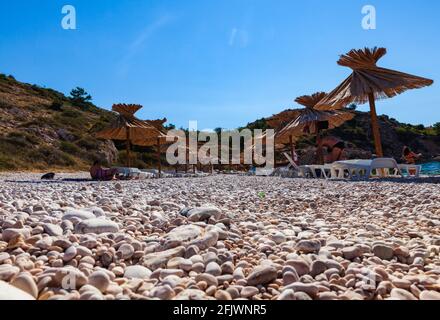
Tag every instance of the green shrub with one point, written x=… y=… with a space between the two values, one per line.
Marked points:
x=88 y=144
x=21 y=139
x=69 y=147
x=56 y=105
x=71 y=113
x=51 y=157
x=436 y=127
x=7 y=164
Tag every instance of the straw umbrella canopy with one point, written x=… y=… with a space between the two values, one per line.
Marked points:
x=279 y=120
x=127 y=127
x=309 y=121
x=368 y=83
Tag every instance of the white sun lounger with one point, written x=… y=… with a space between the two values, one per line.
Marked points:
x=365 y=169
x=128 y=172
x=309 y=170
x=409 y=169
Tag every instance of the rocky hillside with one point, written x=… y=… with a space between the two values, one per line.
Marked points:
x=41 y=129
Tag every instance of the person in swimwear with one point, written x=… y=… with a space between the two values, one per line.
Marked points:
x=335 y=149
x=97 y=172
x=409 y=156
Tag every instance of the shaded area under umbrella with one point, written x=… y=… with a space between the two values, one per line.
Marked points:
x=312 y=121
x=368 y=83
x=127 y=127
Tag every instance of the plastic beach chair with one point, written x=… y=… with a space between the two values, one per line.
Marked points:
x=379 y=167
x=128 y=172
x=409 y=169
x=303 y=171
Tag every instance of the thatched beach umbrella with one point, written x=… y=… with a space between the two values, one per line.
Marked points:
x=280 y=120
x=368 y=83
x=312 y=121
x=127 y=127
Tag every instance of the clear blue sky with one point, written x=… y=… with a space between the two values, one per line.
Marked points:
x=223 y=63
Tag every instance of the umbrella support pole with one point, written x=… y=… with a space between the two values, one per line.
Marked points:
x=319 y=153
x=128 y=162
x=292 y=149
x=159 y=165
x=375 y=126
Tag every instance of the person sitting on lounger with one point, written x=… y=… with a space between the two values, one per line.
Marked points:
x=409 y=156
x=103 y=174
x=335 y=149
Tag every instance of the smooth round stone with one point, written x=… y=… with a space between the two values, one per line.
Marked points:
x=401 y=283
x=383 y=252
x=174 y=263
x=401 y=294
x=308 y=246
x=171 y=272
x=311 y=289
x=83 y=251
x=233 y=292
x=209 y=257
x=8 y=271
x=213 y=268
x=198 y=267
x=118 y=271
x=137 y=272
x=401 y=252
x=430 y=295
x=317 y=267
x=172 y=280
x=62 y=243
x=70 y=253
x=163 y=292
x=125 y=251
x=191 y=294
x=97 y=226
x=227 y=267
x=182 y=234
x=53 y=229
x=25 y=282
x=302 y=296
x=4 y=256
x=208 y=278
x=327 y=296
x=288 y=294
x=74 y=214
x=202 y=213
x=191 y=251
x=262 y=275
x=89 y=292
x=249 y=291
x=278 y=237
x=289 y=277
x=9 y=292
x=223 y=295
x=300 y=266
x=186 y=265
x=238 y=273
x=351 y=253
x=100 y=280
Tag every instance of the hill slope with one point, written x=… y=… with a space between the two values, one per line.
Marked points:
x=41 y=129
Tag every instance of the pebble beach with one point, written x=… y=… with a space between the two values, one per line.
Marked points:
x=223 y=237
